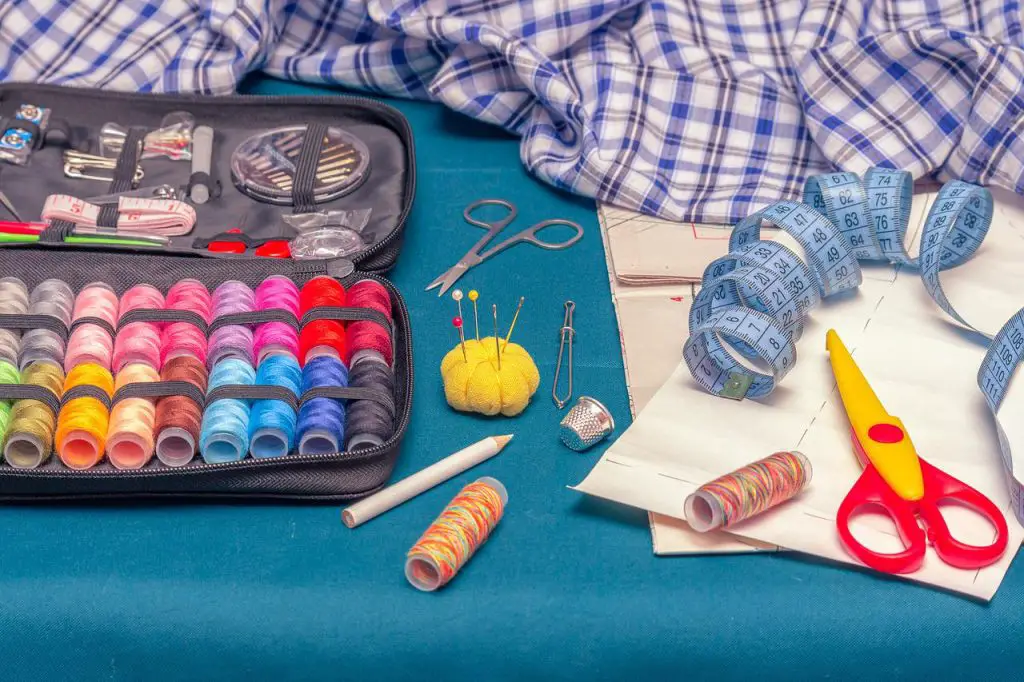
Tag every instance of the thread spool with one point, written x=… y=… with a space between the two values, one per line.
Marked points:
x=233 y=340
x=138 y=341
x=29 y=438
x=369 y=423
x=748 y=491
x=225 y=428
x=8 y=375
x=451 y=540
x=367 y=339
x=13 y=301
x=178 y=418
x=274 y=338
x=320 y=338
x=54 y=298
x=180 y=339
x=272 y=422
x=130 y=439
x=90 y=343
x=82 y=423
x=320 y=426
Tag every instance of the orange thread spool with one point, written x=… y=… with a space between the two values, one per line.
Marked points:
x=82 y=422
x=130 y=436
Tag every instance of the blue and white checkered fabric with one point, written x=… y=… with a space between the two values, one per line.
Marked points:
x=698 y=110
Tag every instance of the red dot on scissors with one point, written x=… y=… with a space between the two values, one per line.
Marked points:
x=457 y=321
x=885 y=433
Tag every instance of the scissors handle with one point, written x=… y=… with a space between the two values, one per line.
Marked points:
x=529 y=235
x=871 y=492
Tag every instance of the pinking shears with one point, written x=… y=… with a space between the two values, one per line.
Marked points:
x=902 y=484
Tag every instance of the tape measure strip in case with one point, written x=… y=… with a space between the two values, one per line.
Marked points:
x=756 y=298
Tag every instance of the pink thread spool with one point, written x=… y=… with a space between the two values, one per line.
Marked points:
x=274 y=338
x=91 y=342
x=138 y=342
x=180 y=339
x=368 y=340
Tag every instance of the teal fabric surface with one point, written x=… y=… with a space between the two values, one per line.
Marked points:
x=567 y=587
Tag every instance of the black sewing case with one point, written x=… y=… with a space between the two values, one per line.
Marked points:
x=387 y=190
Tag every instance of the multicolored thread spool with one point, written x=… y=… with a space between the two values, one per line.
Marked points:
x=748 y=491
x=450 y=541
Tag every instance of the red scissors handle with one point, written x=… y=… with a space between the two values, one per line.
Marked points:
x=872 y=492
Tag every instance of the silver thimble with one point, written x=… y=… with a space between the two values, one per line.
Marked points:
x=586 y=424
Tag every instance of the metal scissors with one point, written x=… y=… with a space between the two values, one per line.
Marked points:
x=475 y=256
x=902 y=484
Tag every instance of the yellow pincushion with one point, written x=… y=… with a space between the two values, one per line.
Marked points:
x=474 y=383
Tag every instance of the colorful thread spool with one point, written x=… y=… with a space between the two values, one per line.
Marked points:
x=233 y=340
x=450 y=541
x=82 y=422
x=180 y=339
x=272 y=422
x=14 y=300
x=320 y=426
x=225 y=429
x=748 y=491
x=368 y=423
x=322 y=337
x=368 y=339
x=29 y=438
x=272 y=338
x=130 y=438
x=91 y=343
x=54 y=298
x=178 y=417
x=138 y=342
x=8 y=375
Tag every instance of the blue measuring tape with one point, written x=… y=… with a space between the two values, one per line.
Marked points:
x=753 y=301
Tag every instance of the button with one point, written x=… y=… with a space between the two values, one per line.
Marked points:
x=885 y=433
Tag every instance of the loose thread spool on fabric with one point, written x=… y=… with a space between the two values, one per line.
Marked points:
x=29 y=438
x=367 y=339
x=748 y=491
x=54 y=298
x=82 y=422
x=179 y=418
x=322 y=337
x=270 y=338
x=8 y=375
x=90 y=343
x=233 y=340
x=450 y=541
x=180 y=339
x=138 y=341
x=368 y=423
x=225 y=429
x=13 y=301
x=320 y=426
x=272 y=422
x=130 y=440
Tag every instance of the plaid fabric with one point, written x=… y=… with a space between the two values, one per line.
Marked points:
x=701 y=110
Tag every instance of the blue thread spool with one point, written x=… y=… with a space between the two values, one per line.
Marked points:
x=272 y=422
x=224 y=436
x=321 y=423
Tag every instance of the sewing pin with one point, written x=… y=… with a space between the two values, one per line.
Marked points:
x=497 y=347
x=457 y=297
x=513 y=325
x=457 y=323
x=473 y=295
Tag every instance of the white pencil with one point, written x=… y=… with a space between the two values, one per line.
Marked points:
x=423 y=480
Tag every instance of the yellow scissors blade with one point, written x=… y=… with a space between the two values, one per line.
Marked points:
x=881 y=435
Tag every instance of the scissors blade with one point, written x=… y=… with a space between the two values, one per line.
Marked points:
x=450 y=277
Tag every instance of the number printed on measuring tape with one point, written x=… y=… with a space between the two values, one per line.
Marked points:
x=753 y=301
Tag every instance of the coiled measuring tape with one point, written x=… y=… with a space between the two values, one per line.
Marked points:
x=756 y=298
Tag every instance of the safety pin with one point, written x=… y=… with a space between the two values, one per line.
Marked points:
x=567 y=335
x=152 y=192
x=78 y=172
